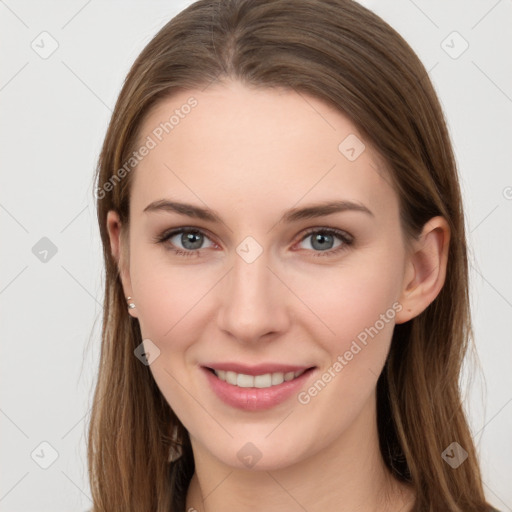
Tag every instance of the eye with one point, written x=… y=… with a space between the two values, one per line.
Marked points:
x=189 y=241
x=186 y=241
x=321 y=242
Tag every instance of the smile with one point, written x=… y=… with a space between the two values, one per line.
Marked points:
x=266 y=380
x=256 y=392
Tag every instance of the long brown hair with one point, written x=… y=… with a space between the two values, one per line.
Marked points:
x=342 y=53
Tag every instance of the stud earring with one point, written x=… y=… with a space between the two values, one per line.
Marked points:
x=131 y=305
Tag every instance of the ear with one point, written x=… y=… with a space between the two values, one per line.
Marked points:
x=425 y=271
x=119 y=249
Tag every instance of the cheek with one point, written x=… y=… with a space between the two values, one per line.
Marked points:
x=357 y=307
x=352 y=312
x=170 y=300
x=348 y=299
x=168 y=295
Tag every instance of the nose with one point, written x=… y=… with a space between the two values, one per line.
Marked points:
x=254 y=302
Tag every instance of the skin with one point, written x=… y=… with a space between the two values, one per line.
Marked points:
x=250 y=154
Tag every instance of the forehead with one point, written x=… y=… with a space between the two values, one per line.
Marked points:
x=244 y=145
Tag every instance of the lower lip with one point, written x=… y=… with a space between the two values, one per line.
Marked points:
x=255 y=399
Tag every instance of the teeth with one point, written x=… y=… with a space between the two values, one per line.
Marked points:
x=256 y=381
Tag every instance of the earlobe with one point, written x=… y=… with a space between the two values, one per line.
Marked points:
x=426 y=269
x=118 y=253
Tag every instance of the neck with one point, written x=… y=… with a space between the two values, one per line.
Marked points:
x=348 y=475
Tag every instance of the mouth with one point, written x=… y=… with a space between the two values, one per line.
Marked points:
x=259 y=391
x=264 y=380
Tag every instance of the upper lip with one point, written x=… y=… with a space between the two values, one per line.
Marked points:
x=259 y=369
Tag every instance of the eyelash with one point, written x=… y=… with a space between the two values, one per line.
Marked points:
x=347 y=240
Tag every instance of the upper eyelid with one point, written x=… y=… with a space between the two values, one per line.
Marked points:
x=175 y=231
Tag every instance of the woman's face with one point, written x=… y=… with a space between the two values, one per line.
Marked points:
x=262 y=283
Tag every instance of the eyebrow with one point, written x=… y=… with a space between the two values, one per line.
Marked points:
x=291 y=215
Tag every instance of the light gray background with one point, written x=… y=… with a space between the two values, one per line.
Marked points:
x=54 y=113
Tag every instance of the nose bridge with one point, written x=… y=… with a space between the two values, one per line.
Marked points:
x=253 y=302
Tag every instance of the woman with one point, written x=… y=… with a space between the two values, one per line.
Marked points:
x=240 y=371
